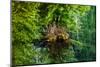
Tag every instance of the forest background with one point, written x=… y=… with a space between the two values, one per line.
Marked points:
x=29 y=20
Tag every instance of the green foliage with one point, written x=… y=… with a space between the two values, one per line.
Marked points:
x=24 y=30
x=88 y=28
x=29 y=21
x=23 y=54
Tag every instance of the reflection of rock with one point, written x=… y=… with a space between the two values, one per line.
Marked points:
x=54 y=41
